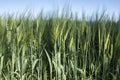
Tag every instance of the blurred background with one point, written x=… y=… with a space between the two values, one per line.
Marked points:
x=89 y=7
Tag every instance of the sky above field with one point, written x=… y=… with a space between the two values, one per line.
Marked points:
x=76 y=6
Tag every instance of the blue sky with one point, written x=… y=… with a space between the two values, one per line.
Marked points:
x=77 y=6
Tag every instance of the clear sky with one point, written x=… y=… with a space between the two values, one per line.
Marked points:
x=77 y=6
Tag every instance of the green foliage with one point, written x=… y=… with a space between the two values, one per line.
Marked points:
x=59 y=48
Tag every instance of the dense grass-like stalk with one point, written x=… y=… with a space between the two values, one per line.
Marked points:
x=59 y=48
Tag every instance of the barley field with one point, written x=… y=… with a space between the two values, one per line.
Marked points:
x=59 y=47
